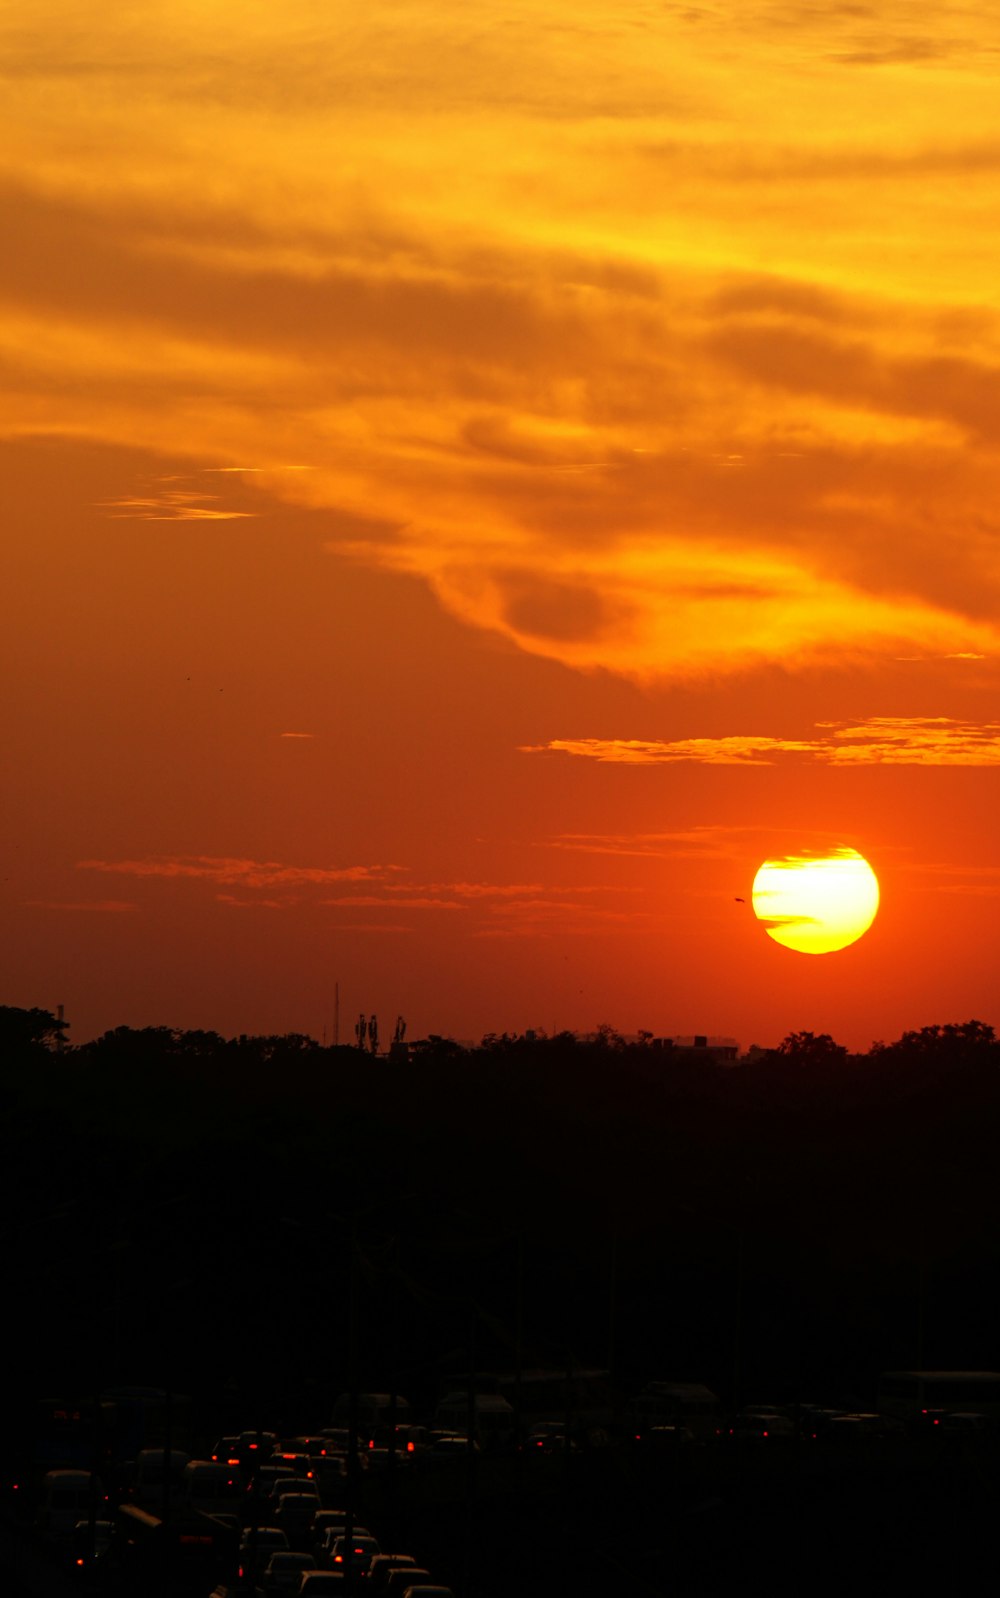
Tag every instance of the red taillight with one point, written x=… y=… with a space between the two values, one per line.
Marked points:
x=80 y=1561
x=764 y=1434
x=410 y=1448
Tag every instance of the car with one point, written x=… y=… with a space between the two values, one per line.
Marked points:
x=814 y=1421
x=294 y=1515
x=91 y=1541
x=969 y=1423
x=336 y=1530
x=318 y=1583
x=254 y=1449
x=68 y=1496
x=329 y=1471
x=856 y=1429
x=298 y=1464
x=256 y=1548
x=402 y=1577
x=423 y=1591
x=294 y=1486
x=284 y=1572
x=549 y=1442
x=382 y=1564
x=355 y=1554
x=323 y=1519
x=264 y=1478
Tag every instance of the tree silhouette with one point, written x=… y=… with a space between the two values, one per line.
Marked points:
x=29 y=1030
x=811 y=1047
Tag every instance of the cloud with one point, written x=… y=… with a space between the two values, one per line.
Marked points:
x=252 y=904
x=876 y=740
x=368 y=901
x=732 y=751
x=914 y=741
x=98 y=906
x=417 y=273
x=174 y=506
x=694 y=843
x=236 y=872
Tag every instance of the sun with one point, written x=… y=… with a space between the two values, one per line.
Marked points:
x=816 y=903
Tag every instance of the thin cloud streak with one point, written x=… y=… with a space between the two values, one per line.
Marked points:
x=98 y=906
x=876 y=740
x=174 y=507
x=236 y=872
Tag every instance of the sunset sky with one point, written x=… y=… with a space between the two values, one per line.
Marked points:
x=479 y=479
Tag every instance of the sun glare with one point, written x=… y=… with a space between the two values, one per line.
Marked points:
x=816 y=904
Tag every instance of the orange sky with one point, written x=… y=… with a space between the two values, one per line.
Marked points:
x=480 y=479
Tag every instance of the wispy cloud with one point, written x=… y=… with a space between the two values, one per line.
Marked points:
x=695 y=843
x=875 y=740
x=175 y=506
x=370 y=901
x=914 y=741
x=730 y=751
x=98 y=906
x=237 y=872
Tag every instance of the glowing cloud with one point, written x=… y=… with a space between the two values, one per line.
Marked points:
x=877 y=740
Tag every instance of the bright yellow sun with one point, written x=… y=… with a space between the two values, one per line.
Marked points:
x=816 y=903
